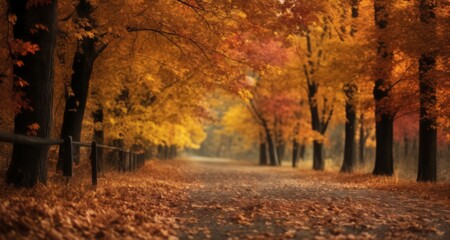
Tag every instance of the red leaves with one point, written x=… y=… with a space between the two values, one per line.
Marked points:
x=22 y=48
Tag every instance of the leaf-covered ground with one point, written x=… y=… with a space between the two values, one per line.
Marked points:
x=227 y=200
x=238 y=201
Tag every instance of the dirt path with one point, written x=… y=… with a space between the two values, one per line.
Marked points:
x=242 y=201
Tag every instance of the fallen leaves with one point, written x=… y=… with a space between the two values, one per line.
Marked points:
x=171 y=200
x=135 y=205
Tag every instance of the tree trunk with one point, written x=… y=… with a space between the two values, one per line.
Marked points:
x=318 y=163
x=350 y=111
x=99 y=135
x=281 y=148
x=349 y=147
x=428 y=122
x=82 y=66
x=29 y=163
x=262 y=154
x=384 y=159
x=272 y=149
x=166 y=152
x=362 y=139
x=302 y=151
x=160 y=152
x=295 y=153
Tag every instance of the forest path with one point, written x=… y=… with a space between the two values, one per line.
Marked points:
x=237 y=200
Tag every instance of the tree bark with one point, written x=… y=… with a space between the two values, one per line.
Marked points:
x=295 y=153
x=29 y=163
x=350 y=113
x=262 y=154
x=428 y=121
x=362 y=139
x=281 y=149
x=82 y=67
x=272 y=148
x=384 y=134
x=384 y=159
x=302 y=151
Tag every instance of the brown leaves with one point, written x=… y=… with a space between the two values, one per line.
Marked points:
x=128 y=205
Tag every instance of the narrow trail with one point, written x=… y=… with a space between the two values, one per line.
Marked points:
x=238 y=200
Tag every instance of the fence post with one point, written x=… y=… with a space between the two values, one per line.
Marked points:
x=68 y=157
x=94 y=163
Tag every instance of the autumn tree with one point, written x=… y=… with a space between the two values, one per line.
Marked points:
x=428 y=104
x=384 y=159
x=350 y=90
x=88 y=49
x=34 y=27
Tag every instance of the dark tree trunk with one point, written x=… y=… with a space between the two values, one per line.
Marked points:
x=302 y=151
x=350 y=111
x=82 y=66
x=160 y=151
x=272 y=149
x=349 y=147
x=362 y=139
x=262 y=154
x=166 y=152
x=29 y=163
x=428 y=122
x=295 y=153
x=99 y=136
x=281 y=148
x=384 y=160
x=318 y=163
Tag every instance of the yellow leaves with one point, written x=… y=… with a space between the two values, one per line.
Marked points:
x=245 y=94
x=112 y=121
x=83 y=34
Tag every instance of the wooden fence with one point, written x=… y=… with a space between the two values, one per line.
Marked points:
x=130 y=161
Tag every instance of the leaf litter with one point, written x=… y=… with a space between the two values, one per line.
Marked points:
x=185 y=200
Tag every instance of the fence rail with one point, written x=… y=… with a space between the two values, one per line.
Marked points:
x=130 y=161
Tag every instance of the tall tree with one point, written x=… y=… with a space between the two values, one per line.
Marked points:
x=83 y=64
x=33 y=81
x=427 y=125
x=384 y=159
x=350 y=90
x=319 y=122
